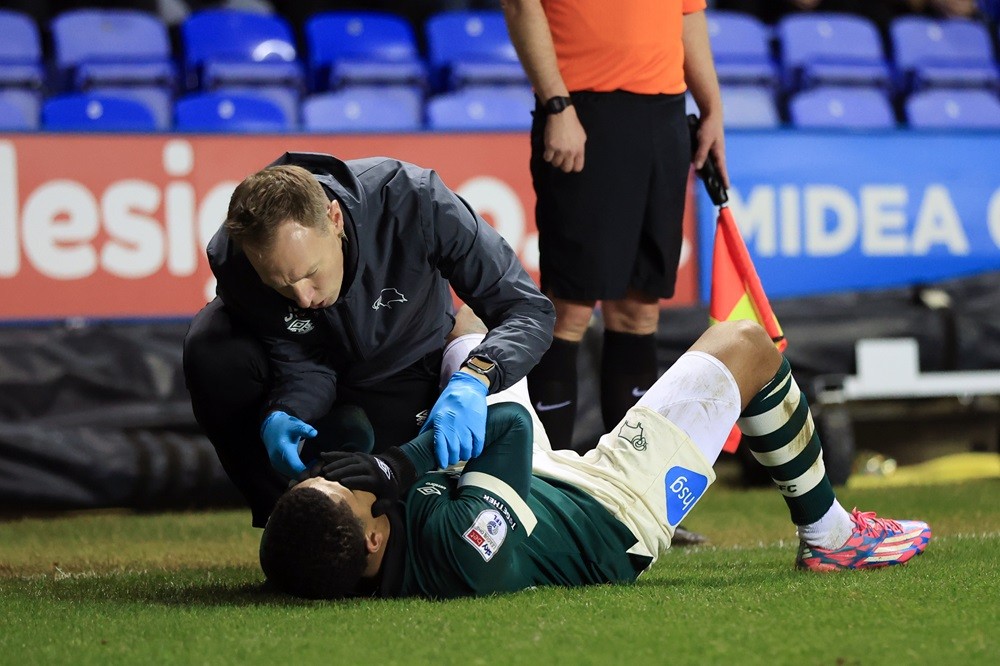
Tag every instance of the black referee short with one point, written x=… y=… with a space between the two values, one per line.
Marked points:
x=616 y=225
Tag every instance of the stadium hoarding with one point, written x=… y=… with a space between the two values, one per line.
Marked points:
x=115 y=226
x=825 y=212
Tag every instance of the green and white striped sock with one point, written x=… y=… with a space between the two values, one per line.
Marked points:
x=778 y=429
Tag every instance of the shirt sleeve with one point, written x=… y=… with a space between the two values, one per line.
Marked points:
x=692 y=6
x=486 y=274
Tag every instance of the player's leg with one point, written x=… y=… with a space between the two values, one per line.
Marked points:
x=778 y=429
x=652 y=469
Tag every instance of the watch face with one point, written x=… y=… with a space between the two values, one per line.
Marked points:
x=557 y=104
x=480 y=364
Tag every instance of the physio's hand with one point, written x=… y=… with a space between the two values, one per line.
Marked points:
x=281 y=434
x=363 y=471
x=459 y=420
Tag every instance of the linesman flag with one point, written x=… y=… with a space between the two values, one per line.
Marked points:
x=736 y=293
x=736 y=290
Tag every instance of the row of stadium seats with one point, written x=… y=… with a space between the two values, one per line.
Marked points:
x=353 y=109
x=818 y=48
x=225 y=47
x=474 y=108
x=859 y=107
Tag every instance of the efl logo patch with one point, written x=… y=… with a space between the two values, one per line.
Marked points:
x=487 y=533
x=684 y=488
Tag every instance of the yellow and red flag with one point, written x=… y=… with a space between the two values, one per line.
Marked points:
x=737 y=293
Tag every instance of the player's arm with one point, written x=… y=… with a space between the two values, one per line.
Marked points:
x=506 y=456
x=469 y=539
x=389 y=475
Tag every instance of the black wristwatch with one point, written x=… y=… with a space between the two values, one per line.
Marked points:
x=556 y=105
x=481 y=365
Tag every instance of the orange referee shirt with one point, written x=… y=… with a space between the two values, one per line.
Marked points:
x=632 y=45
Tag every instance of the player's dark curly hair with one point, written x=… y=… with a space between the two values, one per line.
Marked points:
x=313 y=546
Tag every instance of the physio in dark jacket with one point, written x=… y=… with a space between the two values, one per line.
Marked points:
x=333 y=296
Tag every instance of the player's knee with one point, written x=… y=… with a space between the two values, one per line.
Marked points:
x=752 y=340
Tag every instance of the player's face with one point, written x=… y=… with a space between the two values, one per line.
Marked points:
x=359 y=501
x=305 y=264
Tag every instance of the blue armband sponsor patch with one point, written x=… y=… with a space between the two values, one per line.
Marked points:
x=684 y=488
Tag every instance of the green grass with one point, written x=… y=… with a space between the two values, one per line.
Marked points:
x=185 y=588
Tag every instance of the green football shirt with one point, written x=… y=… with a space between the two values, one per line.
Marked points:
x=496 y=528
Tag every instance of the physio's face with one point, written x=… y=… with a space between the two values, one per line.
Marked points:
x=304 y=264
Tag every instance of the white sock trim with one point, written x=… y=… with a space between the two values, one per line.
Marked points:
x=789 y=451
x=777 y=416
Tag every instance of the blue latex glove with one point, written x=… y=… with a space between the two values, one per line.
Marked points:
x=281 y=434
x=459 y=420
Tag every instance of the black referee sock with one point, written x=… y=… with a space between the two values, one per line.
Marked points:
x=628 y=369
x=552 y=386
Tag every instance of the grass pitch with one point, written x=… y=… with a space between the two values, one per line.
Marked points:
x=102 y=588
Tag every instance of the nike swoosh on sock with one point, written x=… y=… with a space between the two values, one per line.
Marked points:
x=542 y=407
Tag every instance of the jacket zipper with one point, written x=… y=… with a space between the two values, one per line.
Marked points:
x=352 y=335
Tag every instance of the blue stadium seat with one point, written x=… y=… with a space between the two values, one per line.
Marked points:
x=20 y=51
x=482 y=108
x=284 y=97
x=27 y=101
x=841 y=107
x=234 y=47
x=349 y=48
x=96 y=47
x=88 y=112
x=13 y=117
x=749 y=107
x=741 y=48
x=364 y=109
x=471 y=48
x=237 y=112
x=948 y=53
x=826 y=48
x=943 y=108
x=159 y=100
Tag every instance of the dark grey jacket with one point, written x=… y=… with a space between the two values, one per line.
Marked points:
x=408 y=237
